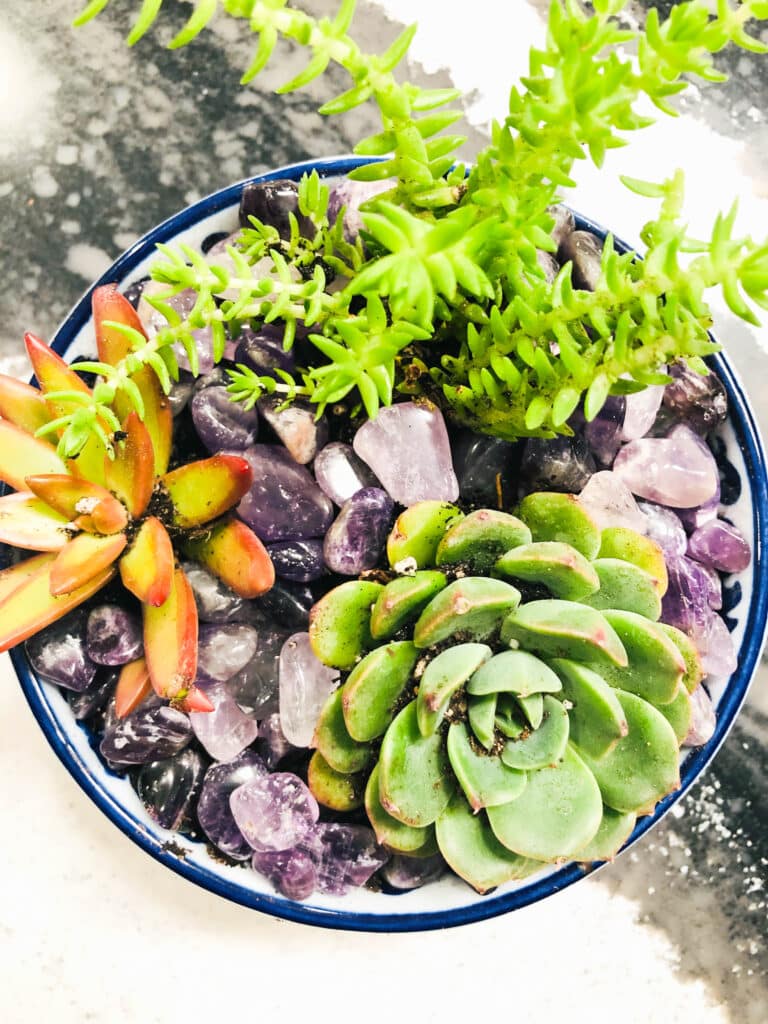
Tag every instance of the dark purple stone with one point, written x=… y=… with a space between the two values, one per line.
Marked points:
x=603 y=433
x=113 y=635
x=412 y=872
x=213 y=810
x=256 y=686
x=345 y=855
x=284 y=502
x=721 y=546
x=299 y=561
x=263 y=351
x=58 y=653
x=479 y=462
x=223 y=650
x=686 y=604
x=169 y=788
x=296 y=425
x=151 y=733
x=356 y=540
x=222 y=423
x=584 y=250
x=291 y=872
x=91 y=700
x=215 y=601
x=271 y=202
x=287 y=604
x=700 y=401
x=557 y=464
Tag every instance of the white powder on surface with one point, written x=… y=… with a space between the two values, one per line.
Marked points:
x=88 y=261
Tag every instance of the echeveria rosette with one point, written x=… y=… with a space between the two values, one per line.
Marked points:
x=116 y=508
x=505 y=732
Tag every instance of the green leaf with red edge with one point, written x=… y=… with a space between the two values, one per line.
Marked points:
x=170 y=640
x=233 y=552
x=22 y=455
x=53 y=374
x=22 y=404
x=89 y=506
x=15 y=575
x=133 y=686
x=147 y=568
x=85 y=557
x=204 y=490
x=28 y=522
x=131 y=474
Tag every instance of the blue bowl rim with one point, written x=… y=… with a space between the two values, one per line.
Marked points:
x=743 y=421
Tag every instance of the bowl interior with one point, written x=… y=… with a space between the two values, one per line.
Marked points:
x=449 y=901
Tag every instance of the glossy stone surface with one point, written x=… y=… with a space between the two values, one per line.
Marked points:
x=686 y=603
x=150 y=733
x=340 y=473
x=583 y=250
x=721 y=546
x=284 y=502
x=262 y=350
x=299 y=561
x=305 y=684
x=272 y=744
x=181 y=392
x=412 y=872
x=291 y=872
x=91 y=700
x=169 y=788
x=226 y=731
x=347 y=856
x=603 y=433
x=287 y=604
x=610 y=503
x=407 y=448
x=350 y=195
x=274 y=812
x=255 y=687
x=271 y=202
x=355 y=541
x=716 y=647
x=703 y=719
x=296 y=426
x=557 y=464
x=699 y=401
x=215 y=601
x=640 y=411
x=664 y=527
x=223 y=650
x=58 y=653
x=213 y=811
x=678 y=470
x=221 y=423
x=693 y=518
x=479 y=462
x=113 y=635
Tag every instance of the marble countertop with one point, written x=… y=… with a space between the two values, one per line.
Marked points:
x=95 y=148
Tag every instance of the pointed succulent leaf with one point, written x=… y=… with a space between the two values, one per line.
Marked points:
x=195 y=700
x=15 y=575
x=389 y=831
x=630 y=546
x=204 y=490
x=31 y=606
x=532 y=707
x=694 y=672
x=563 y=570
x=542 y=747
x=625 y=586
x=473 y=606
x=109 y=307
x=131 y=473
x=515 y=672
x=28 y=522
x=88 y=464
x=133 y=685
x=419 y=530
x=89 y=506
x=480 y=539
x=555 y=816
x=655 y=665
x=170 y=640
x=443 y=676
x=596 y=717
x=337 y=790
x=147 y=567
x=233 y=552
x=615 y=829
x=564 y=629
x=87 y=555
x=643 y=766
x=485 y=780
x=339 y=624
x=23 y=405
x=22 y=455
x=403 y=600
x=481 y=712
x=474 y=853
x=374 y=688
x=332 y=739
x=157 y=414
x=415 y=782
x=53 y=374
x=678 y=713
x=560 y=517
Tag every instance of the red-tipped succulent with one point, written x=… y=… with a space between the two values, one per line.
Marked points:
x=116 y=508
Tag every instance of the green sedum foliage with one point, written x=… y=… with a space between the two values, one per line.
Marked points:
x=446 y=297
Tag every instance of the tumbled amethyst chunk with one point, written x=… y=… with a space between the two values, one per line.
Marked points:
x=183 y=303
x=610 y=503
x=720 y=546
x=351 y=195
x=255 y=686
x=222 y=423
x=356 y=539
x=346 y=856
x=640 y=412
x=686 y=603
x=699 y=400
x=557 y=464
x=664 y=527
x=291 y=872
x=296 y=425
x=284 y=502
x=87 y=702
x=215 y=601
x=58 y=653
x=113 y=635
x=340 y=473
x=288 y=604
x=272 y=744
x=271 y=202
x=226 y=731
x=147 y=734
x=412 y=872
x=693 y=518
x=716 y=647
x=263 y=350
x=169 y=788
x=299 y=561
x=677 y=470
x=223 y=650
x=213 y=811
x=274 y=812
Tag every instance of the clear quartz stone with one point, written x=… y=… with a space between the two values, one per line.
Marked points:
x=215 y=601
x=703 y=720
x=223 y=650
x=610 y=502
x=305 y=685
x=226 y=731
x=340 y=473
x=641 y=410
x=274 y=812
x=677 y=470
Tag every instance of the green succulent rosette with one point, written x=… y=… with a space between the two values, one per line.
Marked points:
x=511 y=699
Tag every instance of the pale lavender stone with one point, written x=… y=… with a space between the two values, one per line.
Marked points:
x=272 y=745
x=351 y=195
x=641 y=410
x=183 y=303
x=213 y=811
x=291 y=872
x=703 y=720
x=686 y=603
x=340 y=473
x=413 y=872
x=263 y=350
x=214 y=599
x=221 y=423
x=150 y=733
x=355 y=541
x=284 y=502
x=305 y=685
x=610 y=503
x=603 y=433
x=346 y=856
x=693 y=518
x=665 y=528
x=256 y=686
x=113 y=635
x=407 y=447
x=714 y=585
x=297 y=426
x=716 y=647
x=720 y=545
x=299 y=561
x=677 y=470
x=224 y=650
x=226 y=731
x=274 y=812
x=58 y=653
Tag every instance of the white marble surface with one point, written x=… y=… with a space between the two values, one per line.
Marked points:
x=92 y=930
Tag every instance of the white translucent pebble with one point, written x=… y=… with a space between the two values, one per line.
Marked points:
x=640 y=412
x=703 y=720
x=305 y=685
x=678 y=470
x=407 y=447
x=226 y=731
x=716 y=647
x=610 y=503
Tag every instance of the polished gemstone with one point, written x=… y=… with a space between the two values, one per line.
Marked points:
x=610 y=503
x=355 y=541
x=291 y=872
x=256 y=686
x=284 y=502
x=296 y=425
x=58 y=653
x=305 y=685
x=720 y=545
x=113 y=635
x=299 y=561
x=215 y=601
x=151 y=733
x=169 y=788
x=557 y=464
x=340 y=473
x=221 y=423
x=223 y=650
x=274 y=812
x=226 y=731
x=677 y=470
x=213 y=811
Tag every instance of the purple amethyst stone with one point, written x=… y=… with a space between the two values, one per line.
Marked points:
x=721 y=546
x=284 y=502
x=291 y=872
x=113 y=635
x=58 y=653
x=221 y=423
x=299 y=561
x=357 y=538
x=150 y=733
x=213 y=810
